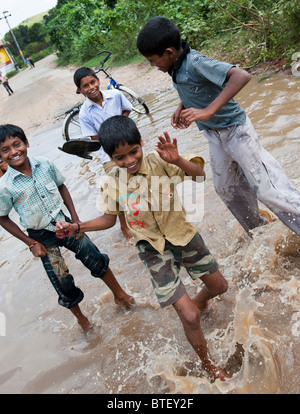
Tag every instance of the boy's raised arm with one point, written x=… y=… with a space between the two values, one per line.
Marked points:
x=168 y=151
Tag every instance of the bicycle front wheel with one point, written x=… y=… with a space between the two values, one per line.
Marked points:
x=138 y=104
x=71 y=126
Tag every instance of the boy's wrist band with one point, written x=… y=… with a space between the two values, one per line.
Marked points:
x=31 y=246
x=78 y=230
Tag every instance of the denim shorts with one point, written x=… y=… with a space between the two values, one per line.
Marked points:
x=85 y=250
x=164 y=268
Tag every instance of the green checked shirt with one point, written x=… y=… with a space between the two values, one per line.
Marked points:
x=37 y=200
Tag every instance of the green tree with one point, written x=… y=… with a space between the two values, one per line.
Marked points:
x=249 y=29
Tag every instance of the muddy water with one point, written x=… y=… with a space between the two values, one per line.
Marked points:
x=253 y=330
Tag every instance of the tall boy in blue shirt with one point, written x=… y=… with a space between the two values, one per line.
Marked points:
x=243 y=171
x=35 y=189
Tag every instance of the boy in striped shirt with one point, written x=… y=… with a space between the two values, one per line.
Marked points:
x=35 y=188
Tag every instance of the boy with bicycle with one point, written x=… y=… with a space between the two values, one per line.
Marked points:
x=99 y=106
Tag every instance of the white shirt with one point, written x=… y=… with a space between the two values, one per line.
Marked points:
x=92 y=115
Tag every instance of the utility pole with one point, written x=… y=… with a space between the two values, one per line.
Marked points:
x=6 y=15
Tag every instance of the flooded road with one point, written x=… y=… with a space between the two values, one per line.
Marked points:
x=253 y=330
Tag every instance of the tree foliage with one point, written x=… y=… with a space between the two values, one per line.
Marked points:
x=239 y=30
x=31 y=39
x=260 y=28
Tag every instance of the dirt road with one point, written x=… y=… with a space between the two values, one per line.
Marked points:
x=42 y=93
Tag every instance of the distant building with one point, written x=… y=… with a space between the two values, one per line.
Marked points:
x=6 y=60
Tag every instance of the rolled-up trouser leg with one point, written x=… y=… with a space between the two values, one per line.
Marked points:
x=68 y=294
x=250 y=166
x=85 y=251
x=232 y=185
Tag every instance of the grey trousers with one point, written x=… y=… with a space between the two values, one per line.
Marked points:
x=244 y=172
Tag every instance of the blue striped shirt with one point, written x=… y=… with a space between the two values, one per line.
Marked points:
x=37 y=200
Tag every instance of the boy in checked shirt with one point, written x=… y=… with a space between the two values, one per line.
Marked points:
x=35 y=188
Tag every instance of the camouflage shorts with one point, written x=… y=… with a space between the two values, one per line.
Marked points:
x=164 y=268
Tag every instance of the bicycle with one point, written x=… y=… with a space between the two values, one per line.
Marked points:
x=71 y=126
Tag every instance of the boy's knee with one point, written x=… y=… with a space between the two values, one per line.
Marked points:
x=191 y=318
x=219 y=288
x=215 y=283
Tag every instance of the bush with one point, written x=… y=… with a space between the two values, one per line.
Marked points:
x=252 y=30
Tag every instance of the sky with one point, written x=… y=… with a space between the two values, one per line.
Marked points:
x=20 y=10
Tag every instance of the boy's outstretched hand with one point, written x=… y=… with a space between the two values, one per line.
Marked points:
x=167 y=149
x=64 y=229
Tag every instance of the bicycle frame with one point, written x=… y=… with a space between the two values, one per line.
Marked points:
x=113 y=84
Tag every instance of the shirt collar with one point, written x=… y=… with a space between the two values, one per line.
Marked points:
x=33 y=162
x=174 y=69
x=105 y=96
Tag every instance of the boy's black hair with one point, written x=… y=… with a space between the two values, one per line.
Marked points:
x=116 y=130
x=157 y=35
x=82 y=73
x=9 y=130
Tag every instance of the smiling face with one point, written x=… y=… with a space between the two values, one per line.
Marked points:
x=129 y=156
x=14 y=152
x=90 y=87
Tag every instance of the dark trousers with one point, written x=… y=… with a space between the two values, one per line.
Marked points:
x=8 y=88
x=58 y=273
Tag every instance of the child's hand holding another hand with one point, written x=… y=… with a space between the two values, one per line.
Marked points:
x=64 y=229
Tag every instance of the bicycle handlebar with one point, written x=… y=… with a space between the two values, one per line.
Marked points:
x=105 y=59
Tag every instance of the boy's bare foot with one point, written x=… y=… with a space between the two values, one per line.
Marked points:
x=125 y=300
x=85 y=324
x=216 y=372
x=81 y=319
x=219 y=373
x=267 y=217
